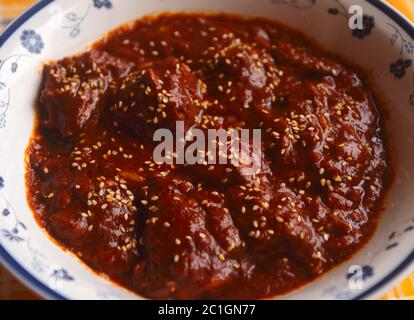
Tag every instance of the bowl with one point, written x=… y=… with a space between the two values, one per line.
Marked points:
x=52 y=29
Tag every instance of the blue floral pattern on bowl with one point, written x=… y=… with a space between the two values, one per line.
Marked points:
x=19 y=234
x=102 y=4
x=399 y=68
x=73 y=20
x=32 y=41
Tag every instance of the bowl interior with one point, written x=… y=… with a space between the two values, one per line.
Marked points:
x=54 y=29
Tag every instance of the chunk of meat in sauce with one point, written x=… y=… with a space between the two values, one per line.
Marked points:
x=69 y=102
x=235 y=162
x=109 y=221
x=276 y=220
x=250 y=76
x=191 y=257
x=288 y=53
x=158 y=96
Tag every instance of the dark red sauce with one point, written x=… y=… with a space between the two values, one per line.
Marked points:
x=176 y=231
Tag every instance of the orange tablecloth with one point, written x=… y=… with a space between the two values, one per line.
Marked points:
x=11 y=288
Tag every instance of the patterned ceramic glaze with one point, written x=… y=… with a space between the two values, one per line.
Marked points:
x=54 y=29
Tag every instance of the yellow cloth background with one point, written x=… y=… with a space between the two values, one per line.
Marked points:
x=10 y=8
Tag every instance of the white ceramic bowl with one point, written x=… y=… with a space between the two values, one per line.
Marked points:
x=54 y=29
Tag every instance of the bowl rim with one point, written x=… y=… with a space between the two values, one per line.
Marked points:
x=25 y=276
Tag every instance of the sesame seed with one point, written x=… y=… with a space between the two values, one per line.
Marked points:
x=317 y=255
x=280 y=219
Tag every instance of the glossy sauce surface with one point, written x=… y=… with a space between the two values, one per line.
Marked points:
x=207 y=231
